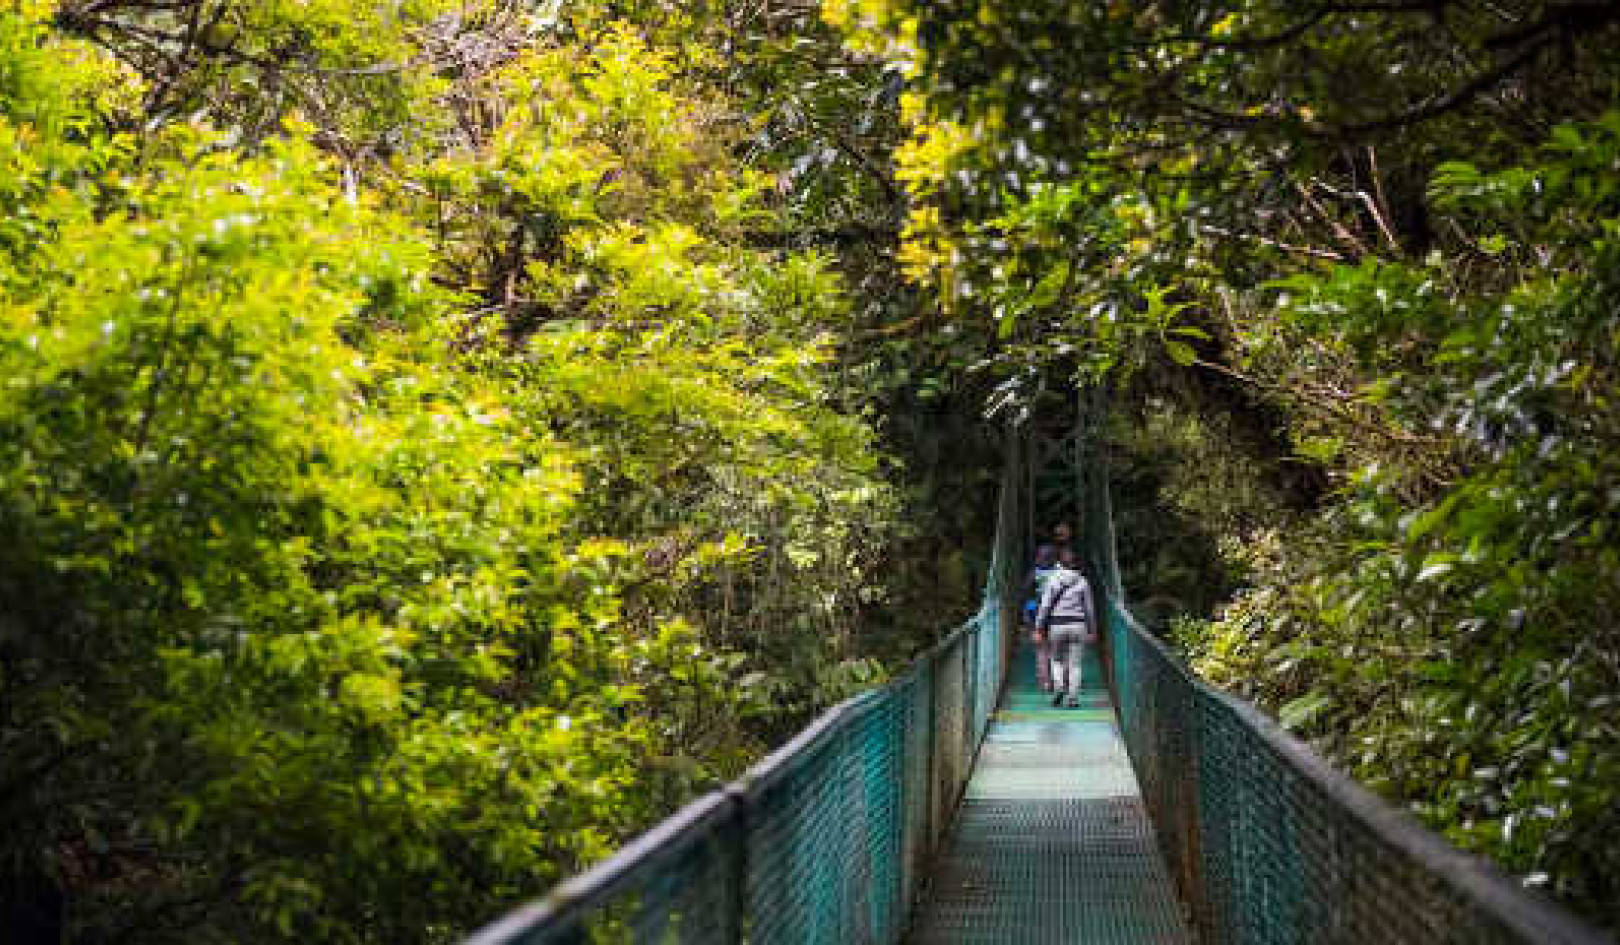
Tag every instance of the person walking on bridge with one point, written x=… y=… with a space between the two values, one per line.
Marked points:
x=1067 y=621
x=1035 y=585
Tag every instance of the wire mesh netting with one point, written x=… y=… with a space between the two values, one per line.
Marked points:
x=827 y=839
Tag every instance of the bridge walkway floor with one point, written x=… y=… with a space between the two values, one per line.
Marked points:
x=1051 y=843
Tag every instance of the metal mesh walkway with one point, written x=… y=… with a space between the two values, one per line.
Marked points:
x=1052 y=842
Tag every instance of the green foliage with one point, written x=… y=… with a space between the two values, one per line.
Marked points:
x=1189 y=511
x=390 y=535
x=250 y=585
x=1452 y=643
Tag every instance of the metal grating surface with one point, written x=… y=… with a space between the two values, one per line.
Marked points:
x=1051 y=843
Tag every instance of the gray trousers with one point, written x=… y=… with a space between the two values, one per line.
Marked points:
x=1068 y=644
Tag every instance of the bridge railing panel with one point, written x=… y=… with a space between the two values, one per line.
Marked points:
x=915 y=696
x=678 y=882
x=1270 y=844
x=810 y=826
x=1267 y=842
x=828 y=838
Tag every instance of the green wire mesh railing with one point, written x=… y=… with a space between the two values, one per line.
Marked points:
x=827 y=839
x=1268 y=843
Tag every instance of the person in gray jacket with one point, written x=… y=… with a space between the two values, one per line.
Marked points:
x=1068 y=620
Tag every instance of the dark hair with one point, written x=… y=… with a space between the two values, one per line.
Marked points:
x=1045 y=556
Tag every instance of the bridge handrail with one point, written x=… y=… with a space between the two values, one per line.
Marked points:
x=1266 y=840
x=727 y=822
x=1322 y=832
x=567 y=903
x=826 y=838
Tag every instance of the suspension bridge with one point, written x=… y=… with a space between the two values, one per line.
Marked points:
x=956 y=805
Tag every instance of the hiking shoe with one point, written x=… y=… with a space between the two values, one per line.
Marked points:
x=1072 y=704
x=1057 y=700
